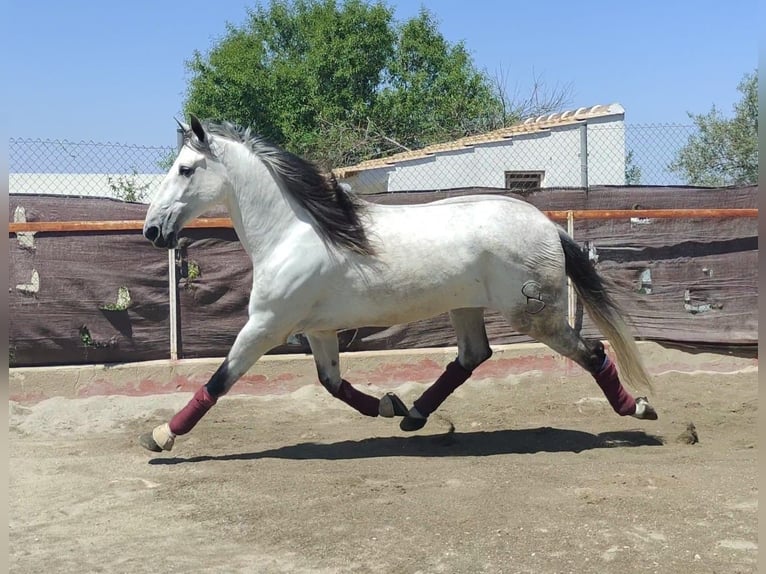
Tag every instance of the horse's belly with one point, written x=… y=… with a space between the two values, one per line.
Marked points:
x=399 y=312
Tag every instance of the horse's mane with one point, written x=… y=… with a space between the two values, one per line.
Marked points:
x=336 y=211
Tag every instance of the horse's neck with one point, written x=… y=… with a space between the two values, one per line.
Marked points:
x=261 y=213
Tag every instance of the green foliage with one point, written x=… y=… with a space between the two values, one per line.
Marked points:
x=192 y=273
x=339 y=81
x=632 y=171
x=85 y=337
x=127 y=188
x=294 y=69
x=122 y=302
x=167 y=162
x=724 y=151
x=88 y=342
x=432 y=91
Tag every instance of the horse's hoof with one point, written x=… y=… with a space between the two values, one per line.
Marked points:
x=412 y=423
x=161 y=438
x=147 y=441
x=392 y=406
x=644 y=410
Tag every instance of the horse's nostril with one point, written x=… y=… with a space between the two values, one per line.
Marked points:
x=152 y=233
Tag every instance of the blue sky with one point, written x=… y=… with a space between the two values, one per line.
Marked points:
x=114 y=71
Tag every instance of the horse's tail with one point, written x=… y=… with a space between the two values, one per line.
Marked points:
x=591 y=289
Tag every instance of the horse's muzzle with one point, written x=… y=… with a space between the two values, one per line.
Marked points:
x=153 y=234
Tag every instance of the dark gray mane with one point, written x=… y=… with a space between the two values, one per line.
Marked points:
x=336 y=211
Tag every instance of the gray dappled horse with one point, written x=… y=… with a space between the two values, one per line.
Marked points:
x=324 y=260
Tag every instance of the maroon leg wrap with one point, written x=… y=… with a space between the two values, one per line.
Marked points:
x=620 y=399
x=365 y=404
x=194 y=410
x=452 y=377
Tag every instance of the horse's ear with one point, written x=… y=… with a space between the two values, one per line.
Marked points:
x=197 y=128
x=184 y=127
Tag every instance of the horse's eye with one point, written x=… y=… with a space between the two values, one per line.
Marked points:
x=185 y=171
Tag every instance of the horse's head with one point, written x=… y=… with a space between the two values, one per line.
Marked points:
x=196 y=181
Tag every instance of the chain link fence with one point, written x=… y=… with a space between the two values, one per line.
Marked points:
x=650 y=149
x=615 y=154
x=87 y=169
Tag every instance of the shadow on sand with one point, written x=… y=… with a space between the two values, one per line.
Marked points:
x=479 y=443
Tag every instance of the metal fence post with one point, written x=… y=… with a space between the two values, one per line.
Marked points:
x=175 y=332
x=584 y=156
x=571 y=295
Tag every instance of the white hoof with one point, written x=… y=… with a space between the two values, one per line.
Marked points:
x=163 y=437
x=159 y=439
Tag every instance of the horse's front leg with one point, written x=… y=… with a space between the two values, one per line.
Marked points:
x=251 y=343
x=324 y=347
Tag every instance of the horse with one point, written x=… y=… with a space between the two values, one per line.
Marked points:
x=325 y=260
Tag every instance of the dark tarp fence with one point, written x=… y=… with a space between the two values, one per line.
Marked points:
x=689 y=282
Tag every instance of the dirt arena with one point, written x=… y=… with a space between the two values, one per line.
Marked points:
x=527 y=473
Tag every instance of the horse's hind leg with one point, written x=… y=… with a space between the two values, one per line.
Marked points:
x=550 y=328
x=473 y=350
x=324 y=347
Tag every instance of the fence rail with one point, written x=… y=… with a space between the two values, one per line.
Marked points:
x=225 y=222
x=117 y=225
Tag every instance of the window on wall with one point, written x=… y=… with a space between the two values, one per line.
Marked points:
x=523 y=181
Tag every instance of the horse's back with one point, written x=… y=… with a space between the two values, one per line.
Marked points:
x=471 y=225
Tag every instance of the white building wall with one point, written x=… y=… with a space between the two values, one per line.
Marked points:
x=606 y=153
x=79 y=184
x=369 y=180
x=555 y=152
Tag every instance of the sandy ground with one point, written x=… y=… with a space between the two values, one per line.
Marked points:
x=525 y=474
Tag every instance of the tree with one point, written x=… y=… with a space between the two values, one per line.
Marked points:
x=514 y=107
x=295 y=70
x=724 y=151
x=167 y=161
x=632 y=171
x=432 y=90
x=340 y=81
x=127 y=188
